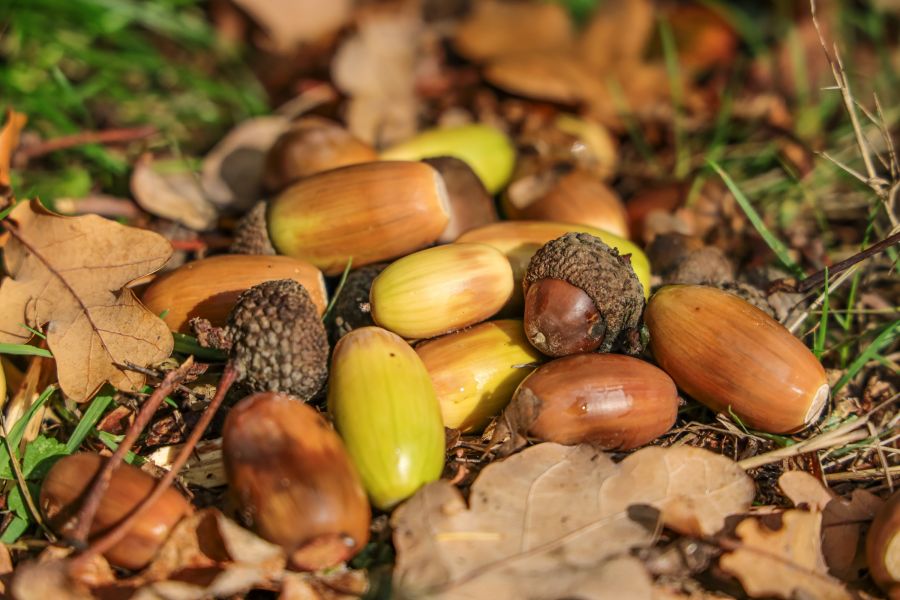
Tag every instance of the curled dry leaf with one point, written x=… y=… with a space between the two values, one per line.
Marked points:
x=376 y=68
x=785 y=563
x=69 y=273
x=842 y=520
x=231 y=175
x=289 y=23
x=171 y=190
x=554 y=521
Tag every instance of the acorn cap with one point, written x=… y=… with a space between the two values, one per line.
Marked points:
x=350 y=306
x=250 y=234
x=279 y=343
x=585 y=262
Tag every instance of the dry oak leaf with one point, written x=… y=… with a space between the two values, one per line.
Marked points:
x=553 y=521
x=69 y=273
x=786 y=563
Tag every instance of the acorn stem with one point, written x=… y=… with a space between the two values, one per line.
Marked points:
x=84 y=518
x=118 y=532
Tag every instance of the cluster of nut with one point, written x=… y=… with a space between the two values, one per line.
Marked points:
x=415 y=347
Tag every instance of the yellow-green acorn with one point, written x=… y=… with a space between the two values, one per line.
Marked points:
x=384 y=406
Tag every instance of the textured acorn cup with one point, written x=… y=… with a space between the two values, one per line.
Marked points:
x=278 y=341
x=210 y=287
x=312 y=145
x=63 y=493
x=292 y=478
x=251 y=235
x=615 y=401
x=519 y=240
x=475 y=371
x=580 y=295
x=371 y=212
x=441 y=289
x=883 y=547
x=487 y=150
x=351 y=307
x=470 y=204
x=729 y=355
x=384 y=406
x=574 y=197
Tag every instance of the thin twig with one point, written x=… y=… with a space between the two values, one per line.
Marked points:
x=832 y=286
x=881 y=457
x=818 y=278
x=890 y=473
x=115 y=535
x=85 y=515
x=108 y=136
x=23 y=485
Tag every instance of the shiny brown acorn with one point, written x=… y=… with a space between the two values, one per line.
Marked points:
x=312 y=145
x=293 y=480
x=731 y=356
x=369 y=212
x=617 y=402
x=883 y=547
x=208 y=288
x=66 y=484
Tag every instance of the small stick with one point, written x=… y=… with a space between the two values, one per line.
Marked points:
x=818 y=278
x=108 y=136
x=85 y=515
x=115 y=535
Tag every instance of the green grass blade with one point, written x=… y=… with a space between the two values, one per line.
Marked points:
x=88 y=421
x=887 y=336
x=186 y=344
x=777 y=246
x=18 y=430
x=340 y=288
x=822 y=333
x=24 y=350
x=670 y=53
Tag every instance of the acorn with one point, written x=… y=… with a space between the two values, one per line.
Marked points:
x=580 y=296
x=384 y=406
x=208 y=288
x=251 y=235
x=441 y=289
x=883 y=547
x=573 y=197
x=293 y=480
x=519 y=240
x=278 y=341
x=351 y=306
x=470 y=204
x=733 y=357
x=312 y=145
x=63 y=492
x=475 y=371
x=371 y=212
x=617 y=402
x=487 y=150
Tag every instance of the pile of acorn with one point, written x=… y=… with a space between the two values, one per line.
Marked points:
x=541 y=319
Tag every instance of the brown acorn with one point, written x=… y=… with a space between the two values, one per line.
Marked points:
x=580 y=296
x=883 y=547
x=208 y=288
x=470 y=204
x=293 y=480
x=615 y=401
x=733 y=357
x=62 y=495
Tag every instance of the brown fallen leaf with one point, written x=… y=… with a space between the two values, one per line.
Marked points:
x=842 y=520
x=555 y=521
x=68 y=273
x=9 y=139
x=786 y=563
x=495 y=29
x=169 y=189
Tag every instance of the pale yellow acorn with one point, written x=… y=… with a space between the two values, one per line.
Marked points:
x=384 y=406
x=441 y=289
x=475 y=371
x=519 y=240
x=369 y=212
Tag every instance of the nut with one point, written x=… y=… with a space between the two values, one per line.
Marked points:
x=731 y=356
x=384 y=406
x=63 y=491
x=484 y=148
x=208 y=288
x=441 y=289
x=475 y=371
x=293 y=480
x=617 y=402
x=370 y=212
x=883 y=547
